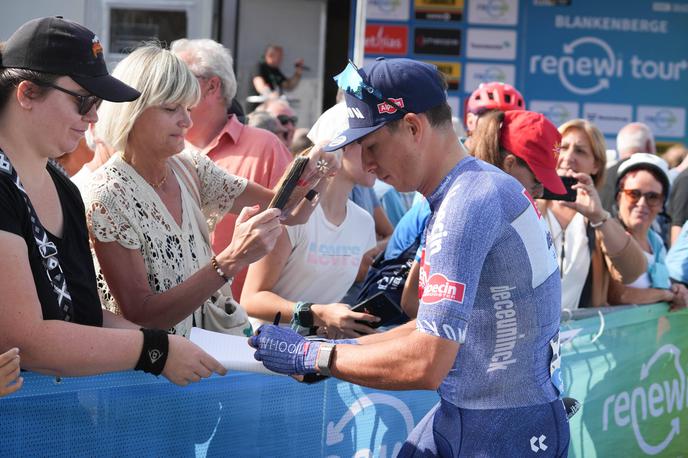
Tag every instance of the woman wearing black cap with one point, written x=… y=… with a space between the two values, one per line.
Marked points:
x=642 y=187
x=53 y=75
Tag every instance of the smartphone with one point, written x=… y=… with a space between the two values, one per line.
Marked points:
x=287 y=187
x=380 y=306
x=570 y=195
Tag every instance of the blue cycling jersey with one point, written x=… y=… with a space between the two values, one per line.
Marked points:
x=490 y=281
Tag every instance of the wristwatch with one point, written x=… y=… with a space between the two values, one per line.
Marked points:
x=325 y=358
x=303 y=316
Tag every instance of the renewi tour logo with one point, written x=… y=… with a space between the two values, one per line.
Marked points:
x=588 y=65
x=385 y=5
x=665 y=397
x=491 y=74
x=494 y=8
x=558 y=114
x=663 y=120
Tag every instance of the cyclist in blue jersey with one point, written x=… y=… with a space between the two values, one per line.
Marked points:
x=486 y=335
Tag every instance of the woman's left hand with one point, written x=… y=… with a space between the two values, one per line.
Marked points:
x=588 y=201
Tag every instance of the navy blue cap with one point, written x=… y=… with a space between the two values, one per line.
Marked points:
x=410 y=84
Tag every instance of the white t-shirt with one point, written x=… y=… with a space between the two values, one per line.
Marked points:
x=325 y=258
x=576 y=259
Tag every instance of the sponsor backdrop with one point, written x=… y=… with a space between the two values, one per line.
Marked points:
x=612 y=62
x=628 y=370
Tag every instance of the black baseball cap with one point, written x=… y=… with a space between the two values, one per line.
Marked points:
x=61 y=47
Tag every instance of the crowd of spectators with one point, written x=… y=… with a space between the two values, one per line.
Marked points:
x=176 y=191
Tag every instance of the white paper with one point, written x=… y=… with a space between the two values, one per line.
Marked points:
x=233 y=352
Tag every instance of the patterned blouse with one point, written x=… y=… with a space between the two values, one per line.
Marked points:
x=122 y=207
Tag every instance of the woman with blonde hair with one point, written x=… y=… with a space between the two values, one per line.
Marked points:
x=150 y=208
x=591 y=247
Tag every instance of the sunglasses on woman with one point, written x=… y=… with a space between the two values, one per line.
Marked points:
x=653 y=199
x=84 y=102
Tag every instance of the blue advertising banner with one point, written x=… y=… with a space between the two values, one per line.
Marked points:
x=612 y=62
x=627 y=368
x=617 y=61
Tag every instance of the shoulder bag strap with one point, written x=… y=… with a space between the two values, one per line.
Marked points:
x=47 y=249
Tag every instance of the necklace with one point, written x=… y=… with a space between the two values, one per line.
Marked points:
x=152 y=185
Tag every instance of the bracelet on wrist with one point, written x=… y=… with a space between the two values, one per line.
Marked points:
x=216 y=266
x=154 y=351
x=599 y=223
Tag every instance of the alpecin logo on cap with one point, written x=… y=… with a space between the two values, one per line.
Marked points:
x=96 y=47
x=439 y=288
x=385 y=107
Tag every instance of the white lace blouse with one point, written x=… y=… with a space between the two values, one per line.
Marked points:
x=122 y=207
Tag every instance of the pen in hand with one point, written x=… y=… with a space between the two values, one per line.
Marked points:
x=278 y=317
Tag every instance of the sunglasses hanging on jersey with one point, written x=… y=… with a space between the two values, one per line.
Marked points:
x=351 y=81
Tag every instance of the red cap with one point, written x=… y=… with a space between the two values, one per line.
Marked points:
x=533 y=138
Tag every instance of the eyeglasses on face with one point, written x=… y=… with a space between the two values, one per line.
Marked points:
x=84 y=102
x=350 y=81
x=286 y=119
x=653 y=199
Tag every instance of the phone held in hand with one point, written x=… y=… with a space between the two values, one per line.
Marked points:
x=380 y=306
x=289 y=184
x=570 y=195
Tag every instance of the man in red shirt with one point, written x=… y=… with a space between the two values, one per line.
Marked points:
x=241 y=150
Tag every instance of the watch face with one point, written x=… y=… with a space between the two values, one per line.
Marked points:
x=306 y=318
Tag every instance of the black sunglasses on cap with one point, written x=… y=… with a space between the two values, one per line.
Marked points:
x=84 y=102
x=285 y=119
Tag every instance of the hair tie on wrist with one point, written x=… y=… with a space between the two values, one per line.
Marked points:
x=154 y=351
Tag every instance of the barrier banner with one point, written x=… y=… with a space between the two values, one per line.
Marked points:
x=627 y=367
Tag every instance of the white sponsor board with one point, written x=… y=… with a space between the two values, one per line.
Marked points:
x=664 y=121
x=556 y=111
x=608 y=117
x=388 y=10
x=454 y=104
x=500 y=12
x=475 y=74
x=491 y=44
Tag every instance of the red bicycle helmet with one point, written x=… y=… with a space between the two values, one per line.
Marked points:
x=493 y=96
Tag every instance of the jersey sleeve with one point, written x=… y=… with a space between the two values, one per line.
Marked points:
x=464 y=231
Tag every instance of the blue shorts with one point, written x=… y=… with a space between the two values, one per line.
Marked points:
x=449 y=431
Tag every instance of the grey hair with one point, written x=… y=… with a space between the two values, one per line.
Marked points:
x=160 y=76
x=207 y=58
x=635 y=136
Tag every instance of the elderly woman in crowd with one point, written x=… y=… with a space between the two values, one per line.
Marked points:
x=314 y=264
x=591 y=247
x=642 y=188
x=53 y=74
x=148 y=208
